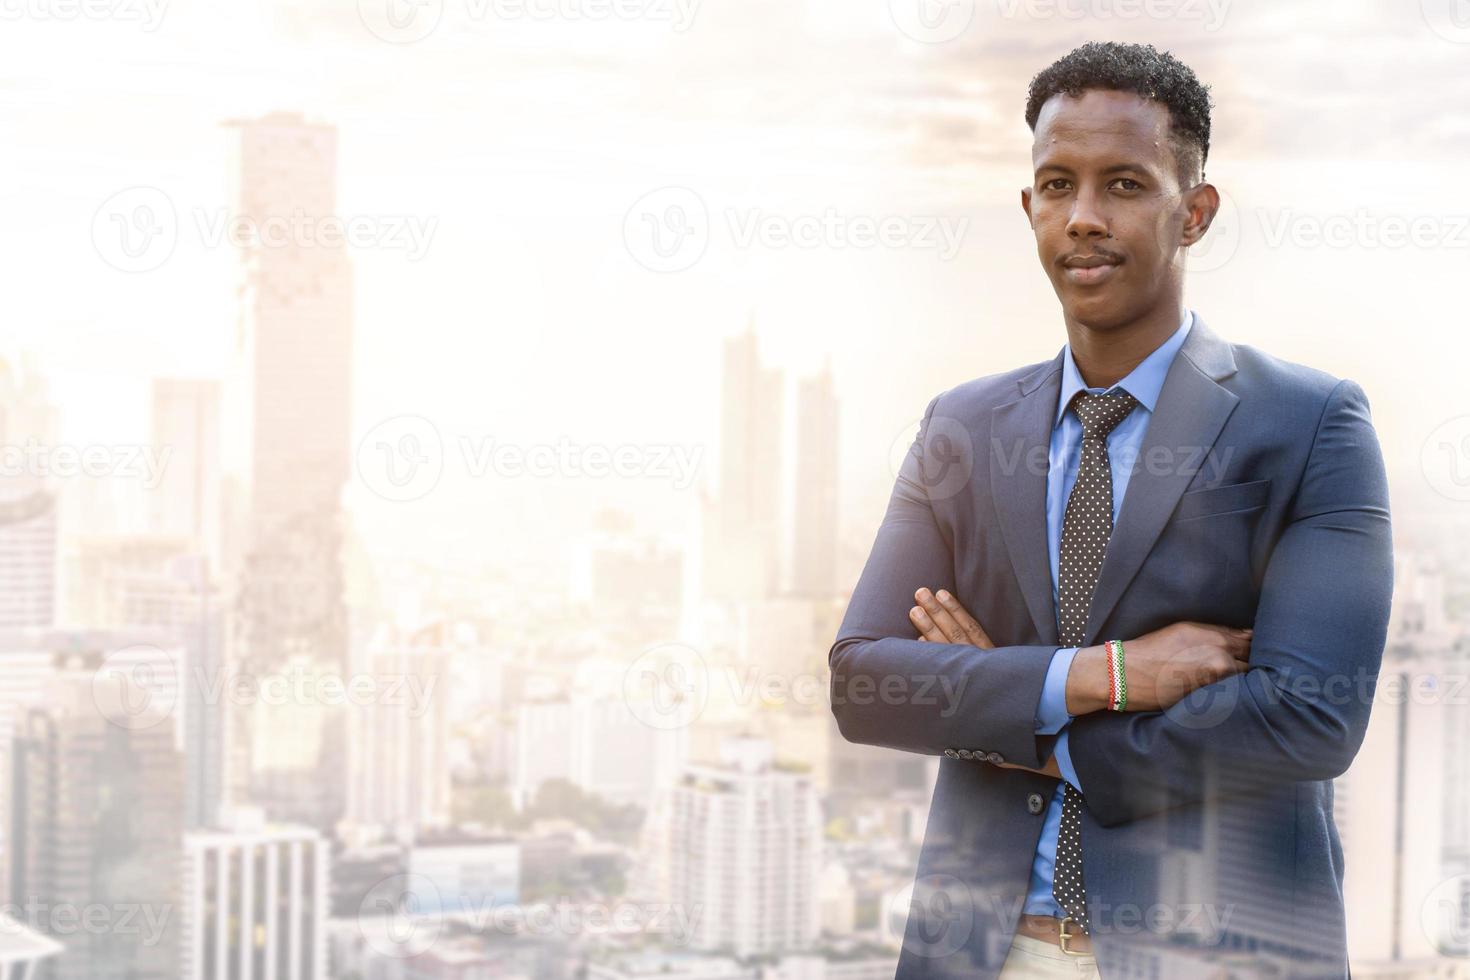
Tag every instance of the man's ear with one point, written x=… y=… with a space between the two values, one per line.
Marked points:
x=1201 y=203
x=1026 y=204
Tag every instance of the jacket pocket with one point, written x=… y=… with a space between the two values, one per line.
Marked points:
x=1222 y=500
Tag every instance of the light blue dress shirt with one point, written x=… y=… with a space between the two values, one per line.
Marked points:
x=1144 y=383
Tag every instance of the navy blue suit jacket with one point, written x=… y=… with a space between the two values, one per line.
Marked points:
x=1259 y=498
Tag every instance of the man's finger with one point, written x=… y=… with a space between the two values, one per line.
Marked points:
x=948 y=627
x=968 y=623
x=926 y=626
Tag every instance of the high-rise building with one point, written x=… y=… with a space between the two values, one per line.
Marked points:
x=181 y=601
x=295 y=336
x=255 y=902
x=186 y=425
x=742 y=552
x=97 y=822
x=815 y=554
x=399 y=739
x=745 y=840
x=287 y=429
x=1390 y=811
x=27 y=668
x=598 y=744
x=28 y=502
x=154 y=589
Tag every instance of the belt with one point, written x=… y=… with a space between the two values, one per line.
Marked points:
x=1063 y=933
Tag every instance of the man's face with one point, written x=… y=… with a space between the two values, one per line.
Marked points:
x=1106 y=190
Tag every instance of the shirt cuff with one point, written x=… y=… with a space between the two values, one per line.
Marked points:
x=1051 y=711
x=1063 y=754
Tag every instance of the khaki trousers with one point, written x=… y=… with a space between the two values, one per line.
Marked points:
x=1034 y=959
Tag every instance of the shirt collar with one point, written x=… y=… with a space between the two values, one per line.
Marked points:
x=1144 y=382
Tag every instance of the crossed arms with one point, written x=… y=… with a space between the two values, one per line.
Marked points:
x=1294 y=709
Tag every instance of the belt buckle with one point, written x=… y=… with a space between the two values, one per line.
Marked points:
x=1063 y=936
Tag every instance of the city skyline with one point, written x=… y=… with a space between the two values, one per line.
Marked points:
x=460 y=438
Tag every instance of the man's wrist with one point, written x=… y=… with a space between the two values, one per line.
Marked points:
x=1087 y=681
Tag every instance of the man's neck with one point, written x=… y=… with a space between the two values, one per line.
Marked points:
x=1105 y=357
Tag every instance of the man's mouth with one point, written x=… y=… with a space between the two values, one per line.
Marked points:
x=1089 y=270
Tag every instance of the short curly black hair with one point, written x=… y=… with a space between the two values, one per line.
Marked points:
x=1142 y=69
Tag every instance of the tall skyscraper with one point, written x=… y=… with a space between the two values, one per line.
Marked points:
x=742 y=552
x=98 y=823
x=745 y=842
x=28 y=502
x=27 y=668
x=186 y=425
x=255 y=902
x=399 y=741
x=815 y=553
x=1390 y=810
x=295 y=333
x=288 y=426
x=179 y=600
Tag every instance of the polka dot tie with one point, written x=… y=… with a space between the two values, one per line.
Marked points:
x=1086 y=527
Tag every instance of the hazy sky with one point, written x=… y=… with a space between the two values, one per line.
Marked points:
x=523 y=137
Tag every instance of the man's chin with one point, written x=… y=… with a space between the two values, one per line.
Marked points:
x=1096 y=312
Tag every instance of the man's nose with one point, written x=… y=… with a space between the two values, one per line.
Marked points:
x=1087 y=220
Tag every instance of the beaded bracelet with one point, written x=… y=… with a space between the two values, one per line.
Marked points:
x=1117 y=681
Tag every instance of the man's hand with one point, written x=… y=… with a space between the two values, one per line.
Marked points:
x=1160 y=667
x=941 y=619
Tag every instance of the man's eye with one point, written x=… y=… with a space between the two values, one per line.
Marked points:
x=1051 y=185
x=1133 y=184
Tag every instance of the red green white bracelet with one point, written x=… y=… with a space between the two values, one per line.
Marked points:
x=1117 y=681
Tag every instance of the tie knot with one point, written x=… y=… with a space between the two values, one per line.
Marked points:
x=1100 y=414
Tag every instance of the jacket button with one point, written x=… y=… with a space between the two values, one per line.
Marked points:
x=1034 y=803
x=996 y=758
x=951 y=753
x=966 y=754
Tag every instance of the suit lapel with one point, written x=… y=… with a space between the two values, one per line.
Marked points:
x=1020 y=441
x=1187 y=419
x=1191 y=411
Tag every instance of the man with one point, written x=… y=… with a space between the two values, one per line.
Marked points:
x=1161 y=807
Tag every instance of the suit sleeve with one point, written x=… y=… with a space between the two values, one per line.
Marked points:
x=890 y=689
x=1300 y=711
